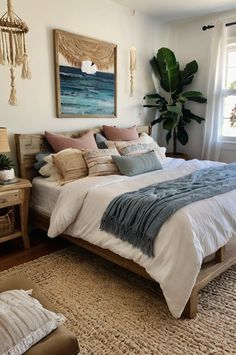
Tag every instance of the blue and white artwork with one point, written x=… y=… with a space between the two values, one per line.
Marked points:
x=87 y=81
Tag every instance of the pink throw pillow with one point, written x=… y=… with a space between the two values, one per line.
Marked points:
x=59 y=142
x=120 y=134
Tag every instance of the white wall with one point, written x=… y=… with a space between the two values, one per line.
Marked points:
x=190 y=42
x=101 y=19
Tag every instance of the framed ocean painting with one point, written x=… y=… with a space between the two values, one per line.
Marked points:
x=86 y=75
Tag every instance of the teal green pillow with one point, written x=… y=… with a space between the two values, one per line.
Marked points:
x=138 y=164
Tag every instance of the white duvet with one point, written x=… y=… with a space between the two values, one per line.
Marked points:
x=188 y=236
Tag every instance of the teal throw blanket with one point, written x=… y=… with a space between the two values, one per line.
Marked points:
x=137 y=216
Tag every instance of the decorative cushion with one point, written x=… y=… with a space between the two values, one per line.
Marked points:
x=126 y=148
x=142 y=145
x=24 y=321
x=59 y=142
x=40 y=162
x=120 y=134
x=71 y=164
x=139 y=164
x=101 y=141
x=100 y=162
x=50 y=171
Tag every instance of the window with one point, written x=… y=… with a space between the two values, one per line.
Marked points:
x=229 y=94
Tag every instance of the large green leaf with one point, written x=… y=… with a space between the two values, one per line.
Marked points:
x=182 y=135
x=187 y=74
x=152 y=106
x=168 y=137
x=153 y=96
x=158 y=120
x=189 y=115
x=168 y=69
x=170 y=121
x=191 y=94
x=195 y=96
x=198 y=99
x=155 y=67
x=175 y=109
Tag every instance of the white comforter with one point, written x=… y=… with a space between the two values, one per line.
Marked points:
x=191 y=234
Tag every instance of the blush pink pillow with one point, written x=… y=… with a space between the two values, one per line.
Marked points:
x=59 y=142
x=120 y=134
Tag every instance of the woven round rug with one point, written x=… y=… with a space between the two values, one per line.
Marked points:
x=113 y=311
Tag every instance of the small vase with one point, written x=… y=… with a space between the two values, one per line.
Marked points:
x=6 y=175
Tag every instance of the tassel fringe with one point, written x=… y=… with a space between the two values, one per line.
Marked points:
x=13 y=100
x=26 y=73
x=13 y=50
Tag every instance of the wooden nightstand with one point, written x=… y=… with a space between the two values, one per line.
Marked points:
x=17 y=194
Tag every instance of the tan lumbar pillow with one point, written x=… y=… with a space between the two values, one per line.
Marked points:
x=71 y=164
x=100 y=163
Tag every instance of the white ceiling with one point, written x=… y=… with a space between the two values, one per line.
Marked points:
x=168 y=10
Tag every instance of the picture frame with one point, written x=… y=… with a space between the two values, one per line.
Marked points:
x=86 y=76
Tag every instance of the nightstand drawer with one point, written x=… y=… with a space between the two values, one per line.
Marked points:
x=9 y=198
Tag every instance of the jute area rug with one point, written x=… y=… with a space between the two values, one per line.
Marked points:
x=113 y=311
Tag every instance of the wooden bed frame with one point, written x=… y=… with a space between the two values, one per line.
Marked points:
x=28 y=145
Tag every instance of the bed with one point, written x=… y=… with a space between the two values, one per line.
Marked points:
x=111 y=248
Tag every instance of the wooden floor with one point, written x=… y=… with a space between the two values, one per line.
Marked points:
x=12 y=253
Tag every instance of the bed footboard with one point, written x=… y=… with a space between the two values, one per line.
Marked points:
x=225 y=257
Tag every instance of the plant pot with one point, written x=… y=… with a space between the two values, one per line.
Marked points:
x=178 y=155
x=7 y=175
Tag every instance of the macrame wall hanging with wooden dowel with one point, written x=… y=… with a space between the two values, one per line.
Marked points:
x=13 y=47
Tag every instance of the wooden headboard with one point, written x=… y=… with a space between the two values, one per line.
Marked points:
x=28 y=145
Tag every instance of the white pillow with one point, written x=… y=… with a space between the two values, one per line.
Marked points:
x=160 y=151
x=24 y=322
x=143 y=144
x=50 y=170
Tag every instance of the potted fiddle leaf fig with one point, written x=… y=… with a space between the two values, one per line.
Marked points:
x=174 y=114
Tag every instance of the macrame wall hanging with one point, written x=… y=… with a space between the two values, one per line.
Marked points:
x=13 y=47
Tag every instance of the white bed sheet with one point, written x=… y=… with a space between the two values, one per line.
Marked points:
x=44 y=195
x=191 y=234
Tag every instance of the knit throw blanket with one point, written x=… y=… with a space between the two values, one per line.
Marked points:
x=136 y=217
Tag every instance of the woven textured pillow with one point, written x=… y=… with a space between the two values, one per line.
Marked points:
x=100 y=162
x=120 y=134
x=71 y=164
x=24 y=322
x=139 y=164
x=59 y=142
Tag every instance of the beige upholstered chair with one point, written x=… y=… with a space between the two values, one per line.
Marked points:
x=60 y=341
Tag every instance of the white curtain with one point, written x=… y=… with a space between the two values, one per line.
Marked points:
x=214 y=112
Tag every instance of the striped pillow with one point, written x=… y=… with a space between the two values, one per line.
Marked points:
x=100 y=162
x=24 y=321
x=71 y=164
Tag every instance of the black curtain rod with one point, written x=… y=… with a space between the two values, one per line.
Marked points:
x=204 y=28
